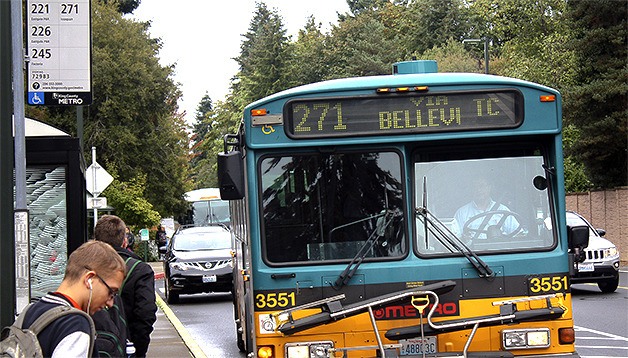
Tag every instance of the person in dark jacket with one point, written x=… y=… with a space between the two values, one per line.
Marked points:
x=138 y=288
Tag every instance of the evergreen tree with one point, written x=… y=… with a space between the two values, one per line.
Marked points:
x=360 y=46
x=598 y=104
x=202 y=133
x=309 y=61
x=264 y=57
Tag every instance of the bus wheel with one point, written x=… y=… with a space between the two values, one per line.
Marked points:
x=610 y=285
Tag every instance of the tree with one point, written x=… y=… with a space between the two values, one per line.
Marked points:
x=125 y=6
x=133 y=121
x=263 y=58
x=598 y=104
x=129 y=200
x=201 y=161
x=451 y=57
x=308 y=61
x=359 y=46
x=430 y=23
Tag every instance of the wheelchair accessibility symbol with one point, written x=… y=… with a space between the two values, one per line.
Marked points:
x=266 y=129
x=35 y=97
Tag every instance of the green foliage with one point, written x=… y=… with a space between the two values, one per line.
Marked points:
x=576 y=179
x=429 y=23
x=134 y=121
x=201 y=129
x=530 y=39
x=598 y=104
x=359 y=46
x=125 y=6
x=451 y=57
x=310 y=48
x=263 y=57
x=129 y=201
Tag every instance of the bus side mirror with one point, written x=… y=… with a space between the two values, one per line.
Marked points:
x=578 y=240
x=231 y=175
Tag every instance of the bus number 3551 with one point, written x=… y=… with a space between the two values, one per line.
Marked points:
x=275 y=300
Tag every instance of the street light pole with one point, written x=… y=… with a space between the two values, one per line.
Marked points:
x=479 y=41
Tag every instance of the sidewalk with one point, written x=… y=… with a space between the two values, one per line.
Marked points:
x=169 y=338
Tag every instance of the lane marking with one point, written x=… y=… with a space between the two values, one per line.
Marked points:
x=609 y=335
x=193 y=347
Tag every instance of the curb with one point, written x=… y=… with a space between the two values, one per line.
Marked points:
x=159 y=276
x=193 y=347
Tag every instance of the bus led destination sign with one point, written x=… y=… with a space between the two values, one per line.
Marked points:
x=381 y=115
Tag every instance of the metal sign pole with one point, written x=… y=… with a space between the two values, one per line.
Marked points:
x=7 y=240
x=22 y=259
x=95 y=193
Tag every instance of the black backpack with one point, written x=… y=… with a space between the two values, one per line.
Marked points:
x=111 y=330
x=18 y=341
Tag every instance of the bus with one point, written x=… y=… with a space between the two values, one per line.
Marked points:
x=206 y=208
x=417 y=214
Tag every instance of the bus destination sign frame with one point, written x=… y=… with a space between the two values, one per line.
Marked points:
x=403 y=114
x=59 y=51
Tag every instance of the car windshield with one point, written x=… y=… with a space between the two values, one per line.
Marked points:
x=202 y=240
x=332 y=206
x=486 y=201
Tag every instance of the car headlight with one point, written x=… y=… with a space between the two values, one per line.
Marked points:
x=610 y=252
x=179 y=266
x=526 y=338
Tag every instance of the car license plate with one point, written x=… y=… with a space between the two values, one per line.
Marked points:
x=416 y=346
x=209 y=278
x=586 y=267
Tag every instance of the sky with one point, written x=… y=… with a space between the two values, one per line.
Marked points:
x=201 y=38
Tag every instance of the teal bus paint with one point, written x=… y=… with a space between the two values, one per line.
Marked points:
x=368 y=210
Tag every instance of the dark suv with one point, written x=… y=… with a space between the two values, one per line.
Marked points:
x=601 y=265
x=197 y=260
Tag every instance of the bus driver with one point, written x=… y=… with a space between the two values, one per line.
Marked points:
x=483 y=216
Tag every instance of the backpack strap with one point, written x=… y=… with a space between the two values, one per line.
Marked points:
x=128 y=274
x=20 y=318
x=57 y=312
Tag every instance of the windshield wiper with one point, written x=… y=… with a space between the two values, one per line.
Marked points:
x=447 y=238
x=450 y=240
x=383 y=220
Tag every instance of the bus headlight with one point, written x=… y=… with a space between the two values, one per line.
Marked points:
x=309 y=349
x=526 y=338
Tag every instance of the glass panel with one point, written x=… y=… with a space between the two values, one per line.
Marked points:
x=46 y=202
x=490 y=204
x=322 y=207
x=205 y=212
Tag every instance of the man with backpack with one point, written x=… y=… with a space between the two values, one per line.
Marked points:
x=138 y=288
x=93 y=276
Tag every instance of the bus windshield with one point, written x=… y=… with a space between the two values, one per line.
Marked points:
x=208 y=212
x=321 y=207
x=490 y=204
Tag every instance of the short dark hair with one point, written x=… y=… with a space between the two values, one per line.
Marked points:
x=110 y=229
x=94 y=255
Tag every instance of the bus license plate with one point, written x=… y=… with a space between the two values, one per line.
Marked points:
x=588 y=267
x=416 y=346
x=209 y=278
